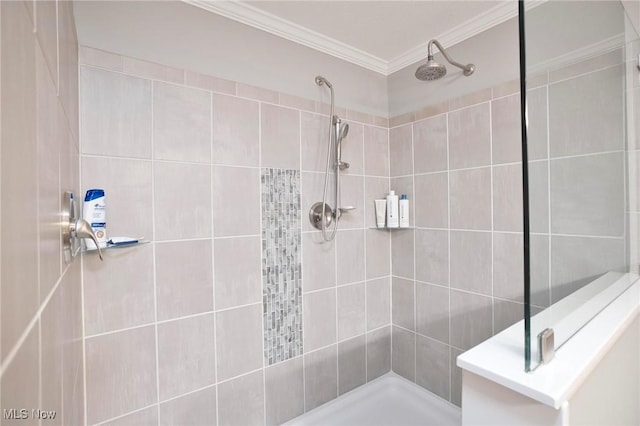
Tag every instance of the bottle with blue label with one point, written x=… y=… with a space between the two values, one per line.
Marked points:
x=95 y=212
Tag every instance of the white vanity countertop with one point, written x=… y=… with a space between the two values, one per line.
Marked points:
x=501 y=358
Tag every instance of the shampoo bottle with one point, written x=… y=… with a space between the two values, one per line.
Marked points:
x=404 y=211
x=392 y=210
x=95 y=212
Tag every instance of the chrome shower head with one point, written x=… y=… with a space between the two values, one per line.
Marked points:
x=320 y=80
x=431 y=70
x=344 y=131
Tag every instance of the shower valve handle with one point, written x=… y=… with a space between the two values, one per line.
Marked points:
x=82 y=229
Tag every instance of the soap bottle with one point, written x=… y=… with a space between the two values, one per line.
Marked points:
x=392 y=210
x=404 y=211
x=95 y=212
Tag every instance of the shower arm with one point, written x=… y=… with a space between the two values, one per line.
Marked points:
x=466 y=68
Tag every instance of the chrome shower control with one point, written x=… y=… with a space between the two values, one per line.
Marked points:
x=73 y=229
x=315 y=215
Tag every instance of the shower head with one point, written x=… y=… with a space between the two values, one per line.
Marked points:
x=433 y=70
x=320 y=80
x=344 y=131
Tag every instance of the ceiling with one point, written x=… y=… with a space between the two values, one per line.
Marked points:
x=383 y=36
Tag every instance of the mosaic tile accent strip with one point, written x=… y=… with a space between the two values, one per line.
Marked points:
x=281 y=264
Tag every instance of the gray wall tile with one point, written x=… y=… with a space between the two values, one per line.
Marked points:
x=279 y=137
x=456 y=378
x=237 y=272
x=471 y=261
x=537 y=126
x=593 y=125
x=470 y=199
x=116 y=114
x=352 y=361
x=507 y=198
x=402 y=303
x=506 y=314
x=376 y=151
x=471 y=319
x=351 y=310
x=319 y=319
x=432 y=200
x=506 y=130
x=235 y=215
x=508 y=266
x=469 y=137
x=432 y=251
x=401 y=150
x=186 y=355
x=378 y=302
x=236 y=138
x=350 y=259
x=318 y=262
x=403 y=353
x=587 y=195
x=182 y=206
x=241 y=400
x=432 y=366
x=238 y=341
x=118 y=293
x=378 y=253
x=194 y=409
x=432 y=311
x=576 y=261
x=284 y=391
x=320 y=376
x=314 y=133
x=121 y=373
x=430 y=144
x=181 y=123
x=378 y=352
x=402 y=253
x=184 y=278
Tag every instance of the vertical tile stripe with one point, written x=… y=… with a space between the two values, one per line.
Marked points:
x=281 y=264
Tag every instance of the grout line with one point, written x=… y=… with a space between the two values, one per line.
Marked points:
x=153 y=253
x=262 y=283
x=415 y=300
x=213 y=268
x=301 y=256
x=549 y=260
x=449 y=259
x=493 y=225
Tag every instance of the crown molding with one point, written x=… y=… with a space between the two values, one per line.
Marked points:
x=257 y=18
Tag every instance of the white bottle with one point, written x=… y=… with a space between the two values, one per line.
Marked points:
x=95 y=212
x=404 y=211
x=392 y=210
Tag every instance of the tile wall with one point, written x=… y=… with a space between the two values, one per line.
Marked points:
x=177 y=331
x=40 y=301
x=457 y=278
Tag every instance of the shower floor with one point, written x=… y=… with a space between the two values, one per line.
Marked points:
x=389 y=400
